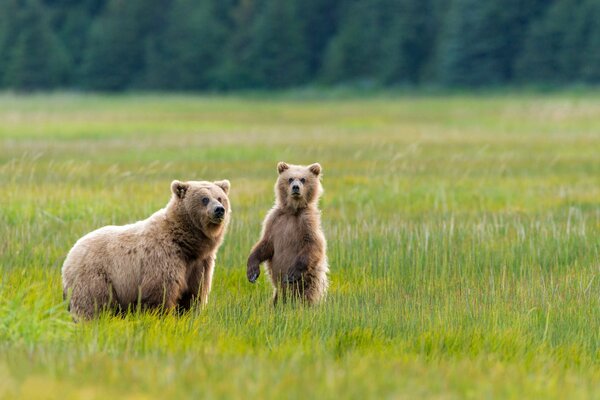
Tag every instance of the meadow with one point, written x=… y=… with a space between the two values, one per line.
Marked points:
x=463 y=240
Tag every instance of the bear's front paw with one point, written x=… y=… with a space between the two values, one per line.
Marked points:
x=253 y=272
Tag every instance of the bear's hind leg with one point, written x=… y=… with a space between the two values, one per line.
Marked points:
x=315 y=289
x=92 y=295
x=162 y=292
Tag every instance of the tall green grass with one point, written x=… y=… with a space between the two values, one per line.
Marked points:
x=463 y=234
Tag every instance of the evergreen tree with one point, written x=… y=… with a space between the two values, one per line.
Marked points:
x=8 y=34
x=236 y=71
x=71 y=20
x=408 y=45
x=229 y=44
x=116 y=48
x=482 y=39
x=188 y=54
x=277 y=53
x=37 y=60
x=538 y=61
x=591 y=55
x=554 y=48
x=574 y=40
x=320 y=22
x=355 y=51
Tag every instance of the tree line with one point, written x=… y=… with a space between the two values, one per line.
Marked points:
x=118 y=45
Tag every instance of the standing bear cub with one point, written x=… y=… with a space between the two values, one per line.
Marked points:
x=292 y=242
x=165 y=261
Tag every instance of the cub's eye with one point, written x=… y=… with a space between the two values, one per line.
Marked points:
x=205 y=201
x=302 y=180
x=219 y=200
x=290 y=180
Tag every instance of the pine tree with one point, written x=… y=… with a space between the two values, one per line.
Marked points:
x=116 y=48
x=71 y=21
x=554 y=48
x=355 y=51
x=482 y=39
x=574 y=40
x=37 y=60
x=8 y=34
x=590 y=62
x=232 y=44
x=319 y=23
x=189 y=52
x=277 y=52
x=407 y=46
x=236 y=70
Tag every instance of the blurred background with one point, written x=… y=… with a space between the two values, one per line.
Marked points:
x=462 y=218
x=219 y=45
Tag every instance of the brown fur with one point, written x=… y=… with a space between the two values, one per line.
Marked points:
x=165 y=261
x=292 y=242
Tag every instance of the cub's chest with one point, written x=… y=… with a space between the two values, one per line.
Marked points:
x=288 y=231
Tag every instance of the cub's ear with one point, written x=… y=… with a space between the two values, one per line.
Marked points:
x=179 y=189
x=224 y=184
x=281 y=166
x=315 y=168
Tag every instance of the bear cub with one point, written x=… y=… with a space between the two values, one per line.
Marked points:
x=164 y=262
x=292 y=243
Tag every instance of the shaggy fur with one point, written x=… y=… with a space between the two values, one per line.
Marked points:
x=292 y=242
x=165 y=261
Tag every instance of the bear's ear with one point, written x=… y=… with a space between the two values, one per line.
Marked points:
x=179 y=189
x=281 y=166
x=224 y=184
x=315 y=168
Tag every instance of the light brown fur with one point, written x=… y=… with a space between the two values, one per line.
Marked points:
x=292 y=243
x=165 y=261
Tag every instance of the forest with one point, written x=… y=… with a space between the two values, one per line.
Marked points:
x=223 y=45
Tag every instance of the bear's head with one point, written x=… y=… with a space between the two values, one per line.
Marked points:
x=204 y=204
x=298 y=186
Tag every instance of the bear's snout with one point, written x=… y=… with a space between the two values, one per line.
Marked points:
x=219 y=211
x=296 y=190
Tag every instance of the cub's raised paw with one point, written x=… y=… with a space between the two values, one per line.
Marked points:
x=252 y=273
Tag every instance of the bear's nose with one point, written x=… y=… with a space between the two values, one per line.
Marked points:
x=220 y=211
x=295 y=188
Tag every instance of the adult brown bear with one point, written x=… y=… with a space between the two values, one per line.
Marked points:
x=165 y=261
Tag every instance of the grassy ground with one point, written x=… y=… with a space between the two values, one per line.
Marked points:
x=464 y=243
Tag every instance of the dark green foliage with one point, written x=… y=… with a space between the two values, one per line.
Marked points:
x=563 y=45
x=237 y=70
x=35 y=58
x=482 y=39
x=187 y=55
x=409 y=43
x=115 y=55
x=590 y=63
x=355 y=52
x=278 y=51
x=71 y=19
x=320 y=22
x=230 y=44
x=8 y=33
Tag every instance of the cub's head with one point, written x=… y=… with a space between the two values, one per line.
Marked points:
x=205 y=203
x=298 y=186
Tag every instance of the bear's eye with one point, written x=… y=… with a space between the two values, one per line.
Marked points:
x=290 y=180
x=205 y=201
x=302 y=180
x=219 y=199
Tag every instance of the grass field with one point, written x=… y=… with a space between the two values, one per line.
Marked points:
x=464 y=244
